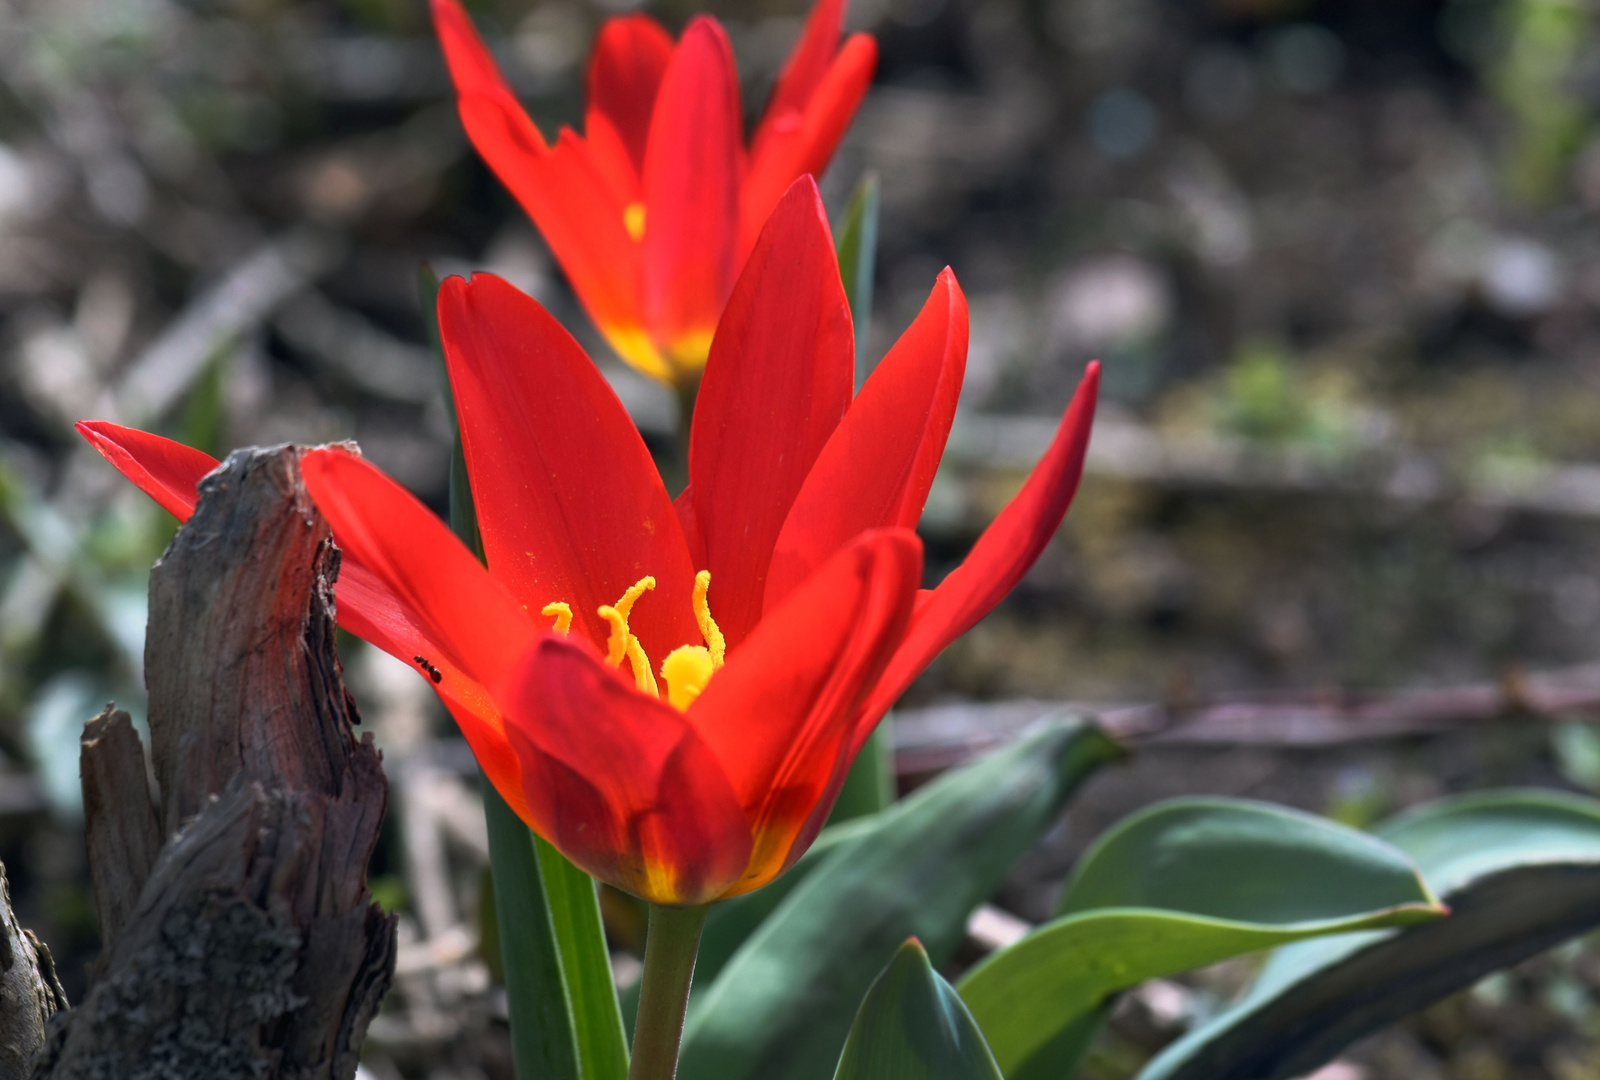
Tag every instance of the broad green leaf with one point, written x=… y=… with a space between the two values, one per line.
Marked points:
x=858 y=256
x=913 y=1026
x=1179 y=885
x=781 y=1007
x=1520 y=871
x=562 y=1000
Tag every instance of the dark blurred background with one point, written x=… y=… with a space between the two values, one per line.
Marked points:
x=1340 y=258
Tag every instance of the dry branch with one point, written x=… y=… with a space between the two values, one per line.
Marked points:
x=239 y=937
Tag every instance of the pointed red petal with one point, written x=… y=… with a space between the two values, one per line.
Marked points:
x=473 y=631
x=809 y=59
x=799 y=141
x=576 y=199
x=877 y=467
x=630 y=57
x=779 y=378
x=166 y=471
x=781 y=715
x=569 y=501
x=691 y=189
x=1002 y=555
x=621 y=783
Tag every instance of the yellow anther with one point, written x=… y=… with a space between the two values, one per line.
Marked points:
x=562 y=614
x=716 y=644
x=686 y=671
x=622 y=643
x=633 y=221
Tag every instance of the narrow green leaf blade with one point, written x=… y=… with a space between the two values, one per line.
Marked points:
x=544 y=1038
x=1180 y=885
x=857 y=246
x=1520 y=871
x=586 y=964
x=913 y=1026
x=781 y=1007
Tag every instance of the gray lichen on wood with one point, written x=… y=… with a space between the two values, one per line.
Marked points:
x=239 y=937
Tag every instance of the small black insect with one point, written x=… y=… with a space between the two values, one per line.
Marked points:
x=433 y=673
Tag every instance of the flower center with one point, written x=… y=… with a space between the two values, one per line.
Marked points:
x=633 y=220
x=686 y=670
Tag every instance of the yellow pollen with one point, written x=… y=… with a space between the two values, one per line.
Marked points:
x=715 y=642
x=633 y=221
x=623 y=643
x=686 y=670
x=562 y=614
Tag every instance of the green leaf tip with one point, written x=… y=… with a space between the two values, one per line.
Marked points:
x=913 y=1026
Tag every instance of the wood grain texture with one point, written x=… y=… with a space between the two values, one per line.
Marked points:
x=29 y=992
x=248 y=946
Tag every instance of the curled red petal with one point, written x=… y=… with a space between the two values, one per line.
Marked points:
x=782 y=714
x=691 y=191
x=1002 y=555
x=878 y=465
x=570 y=505
x=630 y=57
x=621 y=783
x=779 y=378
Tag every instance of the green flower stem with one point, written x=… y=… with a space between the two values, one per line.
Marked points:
x=669 y=955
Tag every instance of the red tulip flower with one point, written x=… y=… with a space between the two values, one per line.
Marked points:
x=672 y=693
x=652 y=211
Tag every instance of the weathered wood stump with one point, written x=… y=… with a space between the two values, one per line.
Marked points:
x=29 y=992
x=239 y=937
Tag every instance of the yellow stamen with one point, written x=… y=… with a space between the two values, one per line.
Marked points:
x=686 y=671
x=633 y=221
x=716 y=644
x=622 y=642
x=562 y=614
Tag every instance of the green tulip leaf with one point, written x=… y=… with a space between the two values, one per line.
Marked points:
x=1520 y=871
x=857 y=247
x=1177 y=886
x=782 y=1005
x=913 y=1026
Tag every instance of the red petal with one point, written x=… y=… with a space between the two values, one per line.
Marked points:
x=691 y=186
x=466 y=624
x=575 y=199
x=877 y=467
x=569 y=501
x=781 y=716
x=1005 y=551
x=166 y=471
x=809 y=59
x=620 y=782
x=795 y=142
x=472 y=67
x=630 y=57
x=779 y=378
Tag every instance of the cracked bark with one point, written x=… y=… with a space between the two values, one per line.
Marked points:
x=239 y=936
